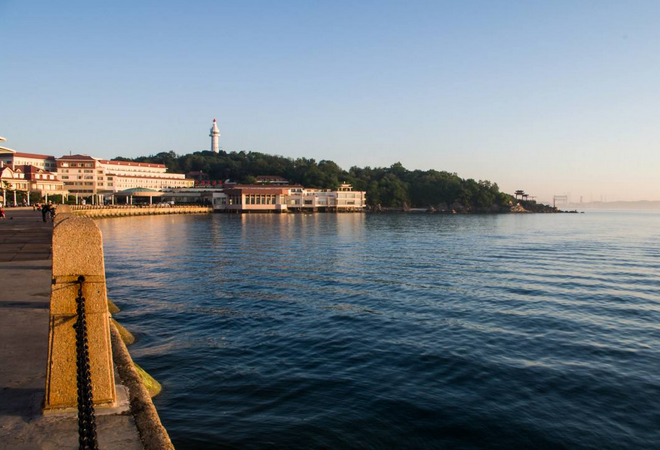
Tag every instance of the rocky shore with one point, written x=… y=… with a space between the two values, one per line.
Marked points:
x=521 y=207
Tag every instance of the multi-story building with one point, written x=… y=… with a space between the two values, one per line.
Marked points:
x=45 y=162
x=343 y=199
x=43 y=182
x=24 y=173
x=85 y=175
x=347 y=199
x=12 y=180
x=81 y=174
x=128 y=175
x=9 y=157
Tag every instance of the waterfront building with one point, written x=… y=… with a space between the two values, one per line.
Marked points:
x=14 y=159
x=343 y=199
x=128 y=175
x=254 y=197
x=82 y=174
x=215 y=135
x=347 y=199
x=9 y=157
x=87 y=176
x=12 y=182
x=14 y=179
x=18 y=182
x=200 y=195
x=41 y=181
x=266 y=198
x=24 y=173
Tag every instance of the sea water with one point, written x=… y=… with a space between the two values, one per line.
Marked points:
x=395 y=331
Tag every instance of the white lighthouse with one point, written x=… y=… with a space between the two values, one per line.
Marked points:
x=215 y=134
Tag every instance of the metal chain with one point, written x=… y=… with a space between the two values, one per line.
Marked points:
x=86 y=416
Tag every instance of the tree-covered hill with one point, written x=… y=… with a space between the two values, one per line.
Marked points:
x=393 y=186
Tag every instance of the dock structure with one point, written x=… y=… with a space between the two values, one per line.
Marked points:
x=28 y=418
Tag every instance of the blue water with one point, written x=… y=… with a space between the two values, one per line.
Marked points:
x=357 y=331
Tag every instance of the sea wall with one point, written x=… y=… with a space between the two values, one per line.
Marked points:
x=94 y=212
x=85 y=259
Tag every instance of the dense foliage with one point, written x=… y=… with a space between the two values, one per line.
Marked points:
x=386 y=186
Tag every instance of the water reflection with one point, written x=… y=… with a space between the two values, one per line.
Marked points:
x=395 y=331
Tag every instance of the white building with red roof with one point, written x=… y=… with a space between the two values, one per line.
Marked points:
x=85 y=175
x=9 y=157
x=129 y=175
x=42 y=181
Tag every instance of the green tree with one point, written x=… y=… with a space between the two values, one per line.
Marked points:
x=391 y=186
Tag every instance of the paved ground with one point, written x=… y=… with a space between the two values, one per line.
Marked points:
x=25 y=272
x=24 y=236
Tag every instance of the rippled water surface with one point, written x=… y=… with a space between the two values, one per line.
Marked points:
x=357 y=331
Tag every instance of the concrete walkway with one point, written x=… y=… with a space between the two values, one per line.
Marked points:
x=25 y=273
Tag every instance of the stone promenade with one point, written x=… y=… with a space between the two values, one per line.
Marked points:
x=25 y=274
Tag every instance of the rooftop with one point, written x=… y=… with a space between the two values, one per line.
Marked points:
x=33 y=155
x=136 y=190
x=77 y=157
x=31 y=171
x=271 y=178
x=131 y=163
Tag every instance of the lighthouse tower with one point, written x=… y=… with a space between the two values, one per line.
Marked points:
x=215 y=134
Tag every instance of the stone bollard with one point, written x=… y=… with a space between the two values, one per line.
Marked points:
x=78 y=250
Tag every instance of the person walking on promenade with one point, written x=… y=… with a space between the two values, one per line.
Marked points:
x=45 y=209
x=2 y=211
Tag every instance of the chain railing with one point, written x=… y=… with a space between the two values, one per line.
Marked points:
x=86 y=416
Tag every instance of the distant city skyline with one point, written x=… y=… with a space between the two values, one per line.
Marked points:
x=552 y=98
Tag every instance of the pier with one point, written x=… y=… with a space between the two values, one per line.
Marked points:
x=37 y=392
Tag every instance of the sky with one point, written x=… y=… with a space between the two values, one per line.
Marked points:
x=553 y=97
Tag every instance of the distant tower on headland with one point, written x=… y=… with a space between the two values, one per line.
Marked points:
x=215 y=134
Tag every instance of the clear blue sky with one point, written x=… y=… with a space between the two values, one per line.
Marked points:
x=547 y=96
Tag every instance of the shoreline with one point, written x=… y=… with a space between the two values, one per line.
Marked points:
x=121 y=211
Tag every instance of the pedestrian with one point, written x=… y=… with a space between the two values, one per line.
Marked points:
x=44 y=211
x=2 y=212
x=51 y=211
